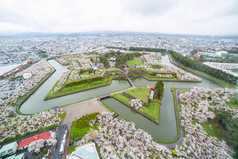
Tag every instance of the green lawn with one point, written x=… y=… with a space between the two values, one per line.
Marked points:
x=182 y=92
x=78 y=133
x=233 y=103
x=62 y=115
x=152 y=111
x=140 y=93
x=213 y=128
x=109 y=70
x=80 y=87
x=134 y=61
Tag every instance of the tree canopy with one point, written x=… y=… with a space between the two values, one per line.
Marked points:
x=204 y=68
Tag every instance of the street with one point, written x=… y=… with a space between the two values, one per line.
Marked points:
x=60 y=133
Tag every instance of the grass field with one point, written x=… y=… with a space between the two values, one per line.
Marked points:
x=134 y=61
x=213 y=128
x=78 y=133
x=152 y=111
x=140 y=93
x=233 y=103
x=80 y=87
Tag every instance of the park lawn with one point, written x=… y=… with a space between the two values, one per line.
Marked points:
x=140 y=93
x=213 y=128
x=78 y=133
x=62 y=115
x=233 y=103
x=134 y=61
x=109 y=70
x=81 y=87
x=152 y=111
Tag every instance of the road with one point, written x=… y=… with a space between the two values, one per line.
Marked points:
x=60 y=133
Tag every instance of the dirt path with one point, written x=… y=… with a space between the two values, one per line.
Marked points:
x=77 y=110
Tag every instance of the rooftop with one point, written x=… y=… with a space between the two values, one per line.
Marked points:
x=7 y=146
x=19 y=156
x=27 y=141
x=87 y=151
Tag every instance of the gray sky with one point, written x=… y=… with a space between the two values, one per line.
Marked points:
x=163 y=16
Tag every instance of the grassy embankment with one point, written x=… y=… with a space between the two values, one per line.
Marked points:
x=153 y=109
x=81 y=87
x=154 y=77
x=80 y=128
x=103 y=71
x=225 y=83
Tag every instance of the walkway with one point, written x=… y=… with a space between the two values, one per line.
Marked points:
x=76 y=110
x=132 y=84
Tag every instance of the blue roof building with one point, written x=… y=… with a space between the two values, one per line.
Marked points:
x=87 y=151
x=8 y=149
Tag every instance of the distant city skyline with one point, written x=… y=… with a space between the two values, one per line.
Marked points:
x=200 y=17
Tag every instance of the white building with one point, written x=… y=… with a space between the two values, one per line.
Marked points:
x=87 y=151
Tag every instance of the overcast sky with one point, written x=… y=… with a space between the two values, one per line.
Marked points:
x=213 y=17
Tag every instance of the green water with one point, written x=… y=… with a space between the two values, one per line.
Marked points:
x=166 y=130
x=35 y=103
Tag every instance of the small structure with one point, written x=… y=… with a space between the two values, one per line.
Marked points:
x=93 y=66
x=87 y=151
x=19 y=156
x=24 y=143
x=151 y=97
x=112 y=59
x=151 y=87
x=8 y=149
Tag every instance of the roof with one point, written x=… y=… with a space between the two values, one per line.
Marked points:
x=19 y=156
x=151 y=86
x=29 y=140
x=8 y=146
x=87 y=151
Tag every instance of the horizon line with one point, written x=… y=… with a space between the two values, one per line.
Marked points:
x=98 y=32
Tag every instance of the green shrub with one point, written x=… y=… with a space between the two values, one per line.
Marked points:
x=84 y=120
x=159 y=90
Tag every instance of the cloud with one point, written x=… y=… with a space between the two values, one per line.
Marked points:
x=149 y=7
x=165 y=16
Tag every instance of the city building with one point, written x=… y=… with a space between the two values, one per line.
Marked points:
x=24 y=143
x=8 y=149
